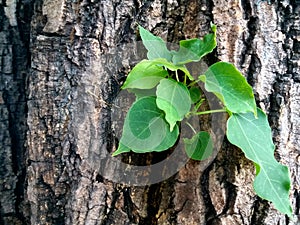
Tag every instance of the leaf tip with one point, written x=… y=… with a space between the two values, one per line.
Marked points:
x=202 y=78
x=290 y=213
x=213 y=27
x=172 y=125
x=124 y=86
x=121 y=149
x=116 y=153
x=141 y=28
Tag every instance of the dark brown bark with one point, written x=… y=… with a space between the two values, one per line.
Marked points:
x=14 y=59
x=62 y=63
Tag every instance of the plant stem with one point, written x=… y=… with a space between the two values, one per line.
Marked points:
x=211 y=111
x=191 y=127
x=197 y=106
x=177 y=78
x=192 y=83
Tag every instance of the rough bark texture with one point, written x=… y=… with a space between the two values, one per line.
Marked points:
x=57 y=85
x=14 y=68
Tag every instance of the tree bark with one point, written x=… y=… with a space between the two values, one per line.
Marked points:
x=62 y=63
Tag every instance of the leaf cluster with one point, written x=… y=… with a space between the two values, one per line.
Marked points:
x=166 y=93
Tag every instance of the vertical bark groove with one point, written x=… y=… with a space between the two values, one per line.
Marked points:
x=14 y=54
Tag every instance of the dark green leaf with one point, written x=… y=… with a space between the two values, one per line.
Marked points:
x=195 y=94
x=200 y=147
x=229 y=85
x=145 y=75
x=145 y=129
x=155 y=45
x=174 y=99
x=254 y=137
x=193 y=50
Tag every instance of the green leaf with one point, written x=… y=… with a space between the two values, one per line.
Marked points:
x=254 y=137
x=174 y=99
x=192 y=50
x=140 y=93
x=145 y=75
x=121 y=149
x=199 y=147
x=195 y=94
x=145 y=129
x=155 y=45
x=172 y=66
x=229 y=85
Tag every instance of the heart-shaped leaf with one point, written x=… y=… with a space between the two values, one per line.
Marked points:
x=199 y=147
x=192 y=50
x=229 y=85
x=145 y=75
x=174 y=99
x=254 y=137
x=145 y=129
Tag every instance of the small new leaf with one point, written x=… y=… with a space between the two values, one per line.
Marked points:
x=192 y=50
x=254 y=137
x=174 y=99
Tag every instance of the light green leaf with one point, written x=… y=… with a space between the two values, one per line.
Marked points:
x=229 y=85
x=155 y=45
x=254 y=137
x=121 y=149
x=174 y=99
x=140 y=93
x=145 y=129
x=145 y=75
x=199 y=147
x=192 y=50
x=172 y=67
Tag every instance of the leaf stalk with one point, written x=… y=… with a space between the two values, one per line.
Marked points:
x=210 y=111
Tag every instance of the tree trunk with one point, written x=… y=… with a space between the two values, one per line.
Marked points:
x=62 y=63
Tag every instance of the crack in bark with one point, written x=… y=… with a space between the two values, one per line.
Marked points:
x=297 y=203
x=129 y=206
x=153 y=202
x=13 y=74
x=255 y=64
x=109 y=215
x=211 y=214
x=260 y=209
